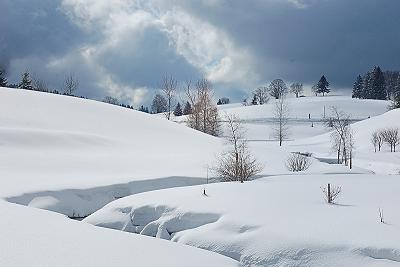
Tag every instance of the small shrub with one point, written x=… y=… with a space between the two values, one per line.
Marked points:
x=331 y=193
x=298 y=162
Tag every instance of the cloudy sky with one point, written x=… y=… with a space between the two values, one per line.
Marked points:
x=124 y=47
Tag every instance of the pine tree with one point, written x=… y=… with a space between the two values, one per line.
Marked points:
x=3 y=80
x=367 y=88
x=378 y=84
x=254 y=100
x=26 y=82
x=358 y=87
x=323 y=86
x=187 y=109
x=178 y=110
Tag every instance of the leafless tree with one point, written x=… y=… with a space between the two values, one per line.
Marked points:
x=340 y=122
x=159 y=104
x=296 y=88
x=204 y=116
x=262 y=95
x=237 y=164
x=377 y=139
x=281 y=113
x=314 y=89
x=168 y=87
x=298 y=162
x=71 y=84
x=39 y=84
x=391 y=137
x=331 y=193
x=277 y=88
x=111 y=100
x=381 y=219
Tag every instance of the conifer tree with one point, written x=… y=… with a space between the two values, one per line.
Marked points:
x=3 y=80
x=178 y=110
x=323 y=86
x=358 y=87
x=378 y=84
x=187 y=109
x=26 y=81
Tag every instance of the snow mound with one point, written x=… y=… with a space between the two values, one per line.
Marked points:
x=280 y=221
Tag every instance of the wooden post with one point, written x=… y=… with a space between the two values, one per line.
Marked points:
x=329 y=194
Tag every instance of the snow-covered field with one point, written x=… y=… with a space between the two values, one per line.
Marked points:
x=74 y=156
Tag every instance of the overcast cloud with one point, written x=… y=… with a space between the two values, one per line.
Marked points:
x=123 y=48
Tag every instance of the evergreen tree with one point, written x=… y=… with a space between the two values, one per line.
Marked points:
x=3 y=80
x=178 y=110
x=26 y=82
x=142 y=108
x=367 y=88
x=254 y=100
x=358 y=87
x=187 y=109
x=378 y=84
x=323 y=86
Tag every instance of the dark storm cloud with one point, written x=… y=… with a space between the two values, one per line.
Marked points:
x=124 y=49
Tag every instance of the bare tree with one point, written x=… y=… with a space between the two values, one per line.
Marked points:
x=204 y=116
x=391 y=137
x=111 y=100
x=71 y=84
x=340 y=122
x=168 y=87
x=377 y=139
x=237 y=164
x=381 y=219
x=159 y=104
x=277 y=88
x=314 y=89
x=296 y=88
x=331 y=193
x=261 y=95
x=39 y=84
x=281 y=113
x=298 y=162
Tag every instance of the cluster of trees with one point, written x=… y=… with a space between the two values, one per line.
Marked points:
x=376 y=84
x=223 y=101
x=389 y=136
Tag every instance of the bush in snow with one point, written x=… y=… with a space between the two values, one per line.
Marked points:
x=237 y=164
x=331 y=193
x=297 y=162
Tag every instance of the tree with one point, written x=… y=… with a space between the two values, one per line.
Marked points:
x=39 y=84
x=378 y=84
x=71 y=84
x=281 y=113
x=260 y=96
x=159 y=104
x=204 y=116
x=358 y=87
x=277 y=88
x=178 y=110
x=168 y=86
x=223 y=101
x=143 y=109
x=111 y=100
x=314 y=89
x=26 y=81
x=323 y=86
x=237 y=164
x=296 y=88
x=396 y=101
x=3 y=79
x=377 y=139
x=391 y=137
x=331 y=193
x=342 y=136
x=187 y=109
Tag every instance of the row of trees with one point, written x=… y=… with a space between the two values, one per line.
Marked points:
x=389 y=136
x=278 y=88
x=371 y=85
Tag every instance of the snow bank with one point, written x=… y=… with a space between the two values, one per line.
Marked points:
x=281 y=221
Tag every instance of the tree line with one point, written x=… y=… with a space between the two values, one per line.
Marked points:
x=378 y=84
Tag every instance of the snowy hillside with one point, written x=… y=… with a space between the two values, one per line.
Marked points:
x=80 y=157
x=279 y=221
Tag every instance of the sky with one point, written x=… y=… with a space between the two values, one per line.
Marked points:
x=123 y=48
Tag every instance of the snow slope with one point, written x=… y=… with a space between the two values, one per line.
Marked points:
x=73 y=156
x=279 y=221
x=66 y=148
